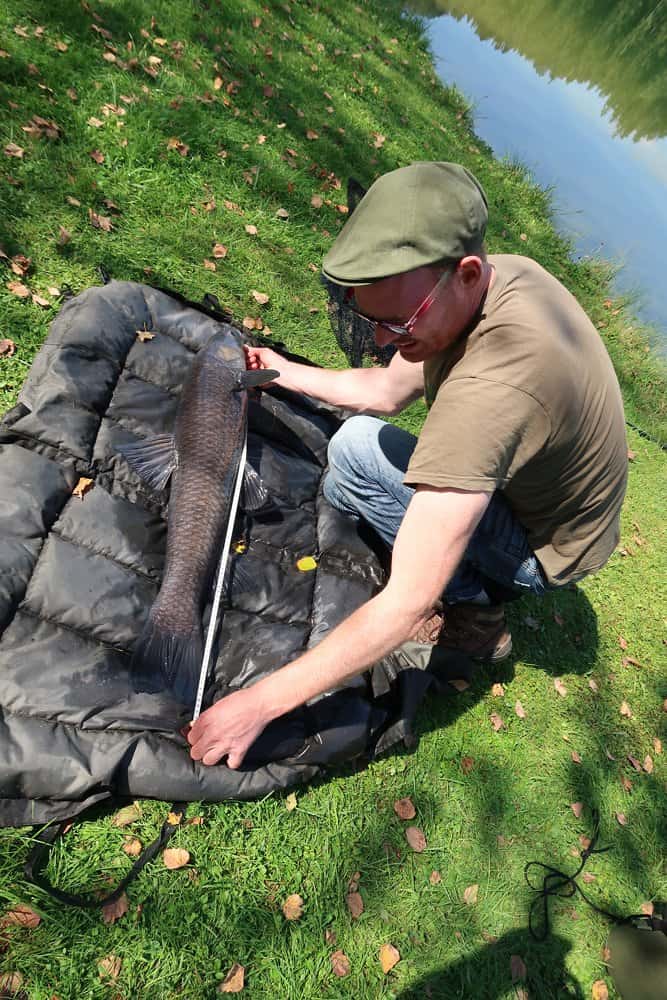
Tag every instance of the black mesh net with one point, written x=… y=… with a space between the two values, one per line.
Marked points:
x=355 y=336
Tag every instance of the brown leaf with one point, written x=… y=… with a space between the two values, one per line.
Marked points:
x=317 y=201
x=634 y=763
x=145 y=335
x=251 y=230
x=96 y=155
x=467 y=764
x=622 y=819
x=209 y=206
x=39 y=300
x=522 y=236
x=102 y=222
x=7 y=347
x=657 y=744
x=282 y=213
x=80 y=490
x=631 y=455
x=648 y=764
x=404 y=808
x=599 y=991
x=64 y=236
x=340 y=964
x=111 y=912
x=560 y=687
x=647 y=908
x=389 y=956
x=109 y=967
x=10 y=983
x=310 y=134
x=518 y=969
x=470 y=894
x=20 y=264
x=72 y=94
x=355 y=904
x=415 y=839
x=95 y=122
x=129 y=814
x=435 y=878
x=21 y=915
x=593 y=685
x=577 y=808
x=623 y=643
x=575 y=757
x=234 y=980
x=11 y=149
x=252 y=323
x=627 y=784
x=209 y=264
x=497 y=690
x=290 y=802
x=175 y=143
x=588 y=877
x=260 y=297
x=630 y=661
x=459 y=683
x=496 y=721
x=132 y=847
x=175 y=857
x=520 y=710
x=18 y=289
x=219 y=251
x=72 y=201
x=626 y=710
x=378 y=140
x=293 y=907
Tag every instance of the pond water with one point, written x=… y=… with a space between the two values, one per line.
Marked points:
x=577 y=91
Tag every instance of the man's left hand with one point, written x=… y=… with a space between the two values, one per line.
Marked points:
x=229 y=727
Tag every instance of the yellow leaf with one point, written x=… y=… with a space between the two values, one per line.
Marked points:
x=174 y=819
x=293 y=907
x=80 y=490
x=144 y=335
x=290 y=802
x=389 y=956
x=306 y=563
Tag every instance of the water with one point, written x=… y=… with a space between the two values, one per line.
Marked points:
x=577 y=91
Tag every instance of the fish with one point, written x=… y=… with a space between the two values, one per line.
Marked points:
x=201 y=458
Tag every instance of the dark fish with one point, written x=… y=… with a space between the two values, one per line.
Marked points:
x=202 y=458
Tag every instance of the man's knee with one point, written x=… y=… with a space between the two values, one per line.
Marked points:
x=349 y=444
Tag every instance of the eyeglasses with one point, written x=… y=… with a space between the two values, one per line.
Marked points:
x=401 y=329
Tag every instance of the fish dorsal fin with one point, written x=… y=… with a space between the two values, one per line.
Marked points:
x=247 y=380
x=255 y=494
x=153 y=459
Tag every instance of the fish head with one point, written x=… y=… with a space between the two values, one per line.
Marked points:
x=226 y=348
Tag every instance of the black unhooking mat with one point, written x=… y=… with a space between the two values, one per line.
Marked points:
x=78 y=575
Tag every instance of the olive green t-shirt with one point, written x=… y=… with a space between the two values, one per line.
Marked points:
x=529 y=404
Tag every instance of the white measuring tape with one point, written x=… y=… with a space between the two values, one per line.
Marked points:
x=219 y=582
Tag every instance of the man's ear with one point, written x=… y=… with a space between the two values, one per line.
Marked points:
x=355 y=193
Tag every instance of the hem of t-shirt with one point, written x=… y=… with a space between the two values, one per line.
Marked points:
x=484 y=483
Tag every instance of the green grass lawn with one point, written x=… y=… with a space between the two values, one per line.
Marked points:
x=204 y=120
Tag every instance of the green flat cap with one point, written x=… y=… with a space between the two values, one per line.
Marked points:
x=409 y=218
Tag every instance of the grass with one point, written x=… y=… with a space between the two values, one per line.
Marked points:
x=185 y=928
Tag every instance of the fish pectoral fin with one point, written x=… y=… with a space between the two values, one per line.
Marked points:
x=248 y=380
x=153 y=459
x=255 y=494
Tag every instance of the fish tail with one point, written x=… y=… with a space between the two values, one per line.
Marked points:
x=163 y=658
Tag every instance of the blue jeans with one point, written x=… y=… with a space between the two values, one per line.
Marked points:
x=367 y=461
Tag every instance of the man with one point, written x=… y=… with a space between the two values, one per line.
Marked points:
x=516 y=481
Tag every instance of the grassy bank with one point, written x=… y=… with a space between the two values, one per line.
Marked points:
x=169 y=135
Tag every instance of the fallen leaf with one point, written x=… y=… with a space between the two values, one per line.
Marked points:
x=630 y=661
x=96 y=155
x=496 y=722
x=522 y=236
x=310 y=134
x=132 y=847
x=353 y=884
x=128 y=814
x=252 y=323
x=520 y=710
x=144 y=335
x=560 y=687
x=470 y=894
x=622 y=819
x=72 y=94
x=379 y=140
x=7 y=347
x=634 y=762
x=657 y=744
x=340 y=964
x=593 y=685
x=10 y=983
x=113 y=911
x=631 y=455
x=626 y=710
x=174 y=819
x=234 y=980
x=80 y=490
x=306 y=564
x=219 y=251
x=647 y=909
x=260 y=297
x=627 y=784
x=415 y=839
x=343 y=209
x=623 y=643
x=39 y=300
x=290 y=802
x=180 y=147
x=435 y=878
x=575 y=757
x=195 y=821
x=404 y=809
x=497 y=690
x=282 y=213
x=251 y=230
x=459 y=683
x=584 y=841
x=209 y=265
x=600 y=991
x=95 y=122
x=293 y=907
x=577 y=808
x=102 y=222
x=648 y=764
x=317 y=201
x=588 y=877
x=20 y=264
x=21 y=915
x=389 y=956
x=72 y=201
x=64 y=236
x=209 y=206
x=518 y=969
x=11 y=149
x=109 y=967
x=467 y=764
x=609 y=756
x=175 y=857
x=18 y=289
x=355 y=904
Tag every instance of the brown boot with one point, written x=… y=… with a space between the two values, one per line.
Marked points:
x=476 y=629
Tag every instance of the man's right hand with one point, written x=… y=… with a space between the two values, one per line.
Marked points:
x=261 y=358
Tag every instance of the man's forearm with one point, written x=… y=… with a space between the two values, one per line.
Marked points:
x=355 y=389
